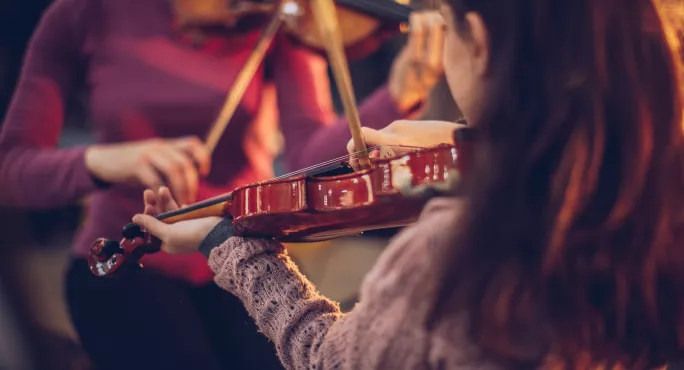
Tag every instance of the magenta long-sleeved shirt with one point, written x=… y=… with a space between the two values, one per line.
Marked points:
x=143 y=81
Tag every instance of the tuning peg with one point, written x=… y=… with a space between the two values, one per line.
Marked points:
x=132 y=231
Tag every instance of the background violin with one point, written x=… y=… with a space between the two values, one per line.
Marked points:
x=357 y=28
x=364 y=24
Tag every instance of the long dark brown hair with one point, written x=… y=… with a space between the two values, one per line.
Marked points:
x=571 y=249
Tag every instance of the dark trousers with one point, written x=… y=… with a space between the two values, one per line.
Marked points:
x=141 y=320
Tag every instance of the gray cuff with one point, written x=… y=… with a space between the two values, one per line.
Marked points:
x=219 y=234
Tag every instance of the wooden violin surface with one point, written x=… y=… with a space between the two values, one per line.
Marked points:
x=309 y=208
x=317 y=208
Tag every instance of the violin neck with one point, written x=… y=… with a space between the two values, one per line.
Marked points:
x=214 y=207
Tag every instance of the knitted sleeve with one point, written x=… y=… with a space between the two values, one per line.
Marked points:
x=285 y=305
x=385 y=329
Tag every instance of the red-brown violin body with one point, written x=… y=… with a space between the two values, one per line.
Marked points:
x=311 y=207
x=314 y=208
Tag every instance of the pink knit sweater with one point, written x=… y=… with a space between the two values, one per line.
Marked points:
x=384 y=331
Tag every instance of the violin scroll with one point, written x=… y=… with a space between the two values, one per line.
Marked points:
x=107 y=256
x=105 y=249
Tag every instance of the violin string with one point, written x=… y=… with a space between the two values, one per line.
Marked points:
x=301 y=171
x=228 y=196
x=351 y=156
x=324 y=164
x=338 y=159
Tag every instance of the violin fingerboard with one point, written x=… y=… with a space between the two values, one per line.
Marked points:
x=333 y=170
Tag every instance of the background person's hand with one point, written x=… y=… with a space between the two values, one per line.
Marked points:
x=180 y=237
x=177 y=163
x=418 y=67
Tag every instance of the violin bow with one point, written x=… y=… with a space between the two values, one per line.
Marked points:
x=325 y=16
x=243 y=80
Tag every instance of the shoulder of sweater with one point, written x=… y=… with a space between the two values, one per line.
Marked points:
x=436 y=221
x=414 y=248
x=449 y=207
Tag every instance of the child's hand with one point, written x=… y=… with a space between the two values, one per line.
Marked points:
x=180 y=237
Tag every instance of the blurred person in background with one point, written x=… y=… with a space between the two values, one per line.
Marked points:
x=151 y=93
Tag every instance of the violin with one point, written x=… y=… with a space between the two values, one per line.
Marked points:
x=320 y=204
x=364 y=24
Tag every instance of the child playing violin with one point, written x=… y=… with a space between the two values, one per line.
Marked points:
x=566 y=249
